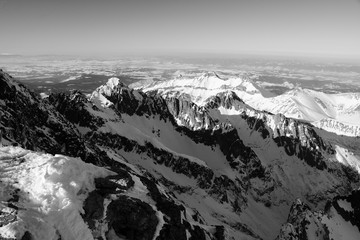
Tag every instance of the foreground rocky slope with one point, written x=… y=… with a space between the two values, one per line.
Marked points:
x=222 y=170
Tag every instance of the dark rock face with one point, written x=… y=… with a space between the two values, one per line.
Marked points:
x=36 y=125
x=296 y=137
x=227 y=100
x=132 y=218
x=175 y=227
x=124 y=100
x=350 y=216
x=203 y=175
x=27 y=236
x=299 y=221
x=304 y=143
x=130 y=101
x=189 y=114
x=135 y=219
x=297 y=209
x=73 y=107
x=240 y=157
x=100 y=216
x=94 y=208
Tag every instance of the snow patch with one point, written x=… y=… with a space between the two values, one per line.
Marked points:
x=44 y=95
x=113 y=82
x=229 y=111
x=161 y=223
x=51 y=193
x=345 y=205
x=339 y=228
x=71 y=78
x=98 y=96
x=347 y=158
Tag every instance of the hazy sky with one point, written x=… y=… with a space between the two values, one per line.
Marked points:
x=327 y=27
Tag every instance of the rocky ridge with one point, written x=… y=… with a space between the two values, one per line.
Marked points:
x=36 y=124
x=205 y=125
x=225 y=153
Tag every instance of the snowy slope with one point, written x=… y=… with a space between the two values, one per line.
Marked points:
x=313 y=106
x=338 y=127
x=48 y=192
x=299 y=103
x=222 y=170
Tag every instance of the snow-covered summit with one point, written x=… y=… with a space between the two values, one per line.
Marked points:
x=99 y=95
x=205 y=86
x=299 y=103
x=112 y=82
x=109 y=87
x=210 y=74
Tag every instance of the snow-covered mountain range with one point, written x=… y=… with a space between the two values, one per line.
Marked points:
x=177 y=162
x=339 y=113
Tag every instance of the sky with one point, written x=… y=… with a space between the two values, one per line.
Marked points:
x=303 y=27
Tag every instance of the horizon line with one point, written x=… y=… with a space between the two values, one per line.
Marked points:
x=199 y=53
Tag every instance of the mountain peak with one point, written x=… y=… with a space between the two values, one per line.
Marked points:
x=113 y=82
x=11 y=88
x=208 y=84
x=105 y=90
x=210 y=74
x=5 y=77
